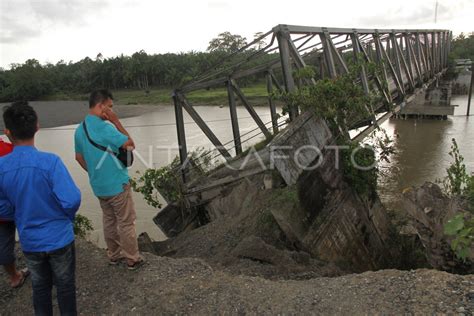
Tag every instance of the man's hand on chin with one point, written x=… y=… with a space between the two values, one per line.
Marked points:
x=110 y=115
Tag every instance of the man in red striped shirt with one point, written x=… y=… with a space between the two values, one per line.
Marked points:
x=7 y=239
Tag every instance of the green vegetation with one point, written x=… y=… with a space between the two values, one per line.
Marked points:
x=255 y=94
x=167 y=180
x=342 y=104
x=462 y=47
x=363 y=179
x=462 y=229
x=460 y=185
x=140 y=78
x=227 y=42
x=82 y=226
x=286 y=196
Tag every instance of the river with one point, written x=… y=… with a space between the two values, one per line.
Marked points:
x=422 y=148
x=155 y=137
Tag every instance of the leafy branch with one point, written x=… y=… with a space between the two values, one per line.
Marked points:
x=167 y=180
x=459 y=184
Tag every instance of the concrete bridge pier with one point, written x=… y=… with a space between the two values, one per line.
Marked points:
x=434 y=102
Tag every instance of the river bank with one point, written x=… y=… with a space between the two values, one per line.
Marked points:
x=190 y=286
x=62 y=113
x=255 y=93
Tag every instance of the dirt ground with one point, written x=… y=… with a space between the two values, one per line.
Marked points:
x=190 y=286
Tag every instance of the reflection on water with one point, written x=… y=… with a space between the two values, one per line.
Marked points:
x=422 y=148
x=155 y=138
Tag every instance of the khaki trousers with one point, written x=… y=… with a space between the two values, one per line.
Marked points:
x=119 y=226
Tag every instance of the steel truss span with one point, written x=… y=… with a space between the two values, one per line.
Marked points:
x=410 y=60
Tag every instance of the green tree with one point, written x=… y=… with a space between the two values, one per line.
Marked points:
x=27 y=81
x=227 y=42
x=462 y=46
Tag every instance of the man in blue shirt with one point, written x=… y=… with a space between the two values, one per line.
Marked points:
x=7 y=239
x=109 y=177
x=37 y=191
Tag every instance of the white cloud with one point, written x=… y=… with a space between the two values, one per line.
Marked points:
x=53 y=30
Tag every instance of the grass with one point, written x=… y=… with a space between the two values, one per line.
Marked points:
x=255 y=94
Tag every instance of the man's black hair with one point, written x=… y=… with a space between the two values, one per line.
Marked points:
x=99 y=96
x=21 y=119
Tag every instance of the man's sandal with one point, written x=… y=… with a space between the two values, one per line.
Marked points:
x=24 y=275
x=136 y=265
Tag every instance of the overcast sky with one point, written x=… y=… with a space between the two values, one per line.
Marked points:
x=53 y=30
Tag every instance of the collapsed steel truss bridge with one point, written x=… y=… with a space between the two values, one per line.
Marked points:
x=410 y=60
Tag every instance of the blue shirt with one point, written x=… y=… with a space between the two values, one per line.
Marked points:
x=37 y=191
x=107 y=175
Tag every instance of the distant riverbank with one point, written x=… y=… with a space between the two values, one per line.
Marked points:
x=256 y=95
x=61 y=113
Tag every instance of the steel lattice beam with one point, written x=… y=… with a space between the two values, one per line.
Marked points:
x=409 y=59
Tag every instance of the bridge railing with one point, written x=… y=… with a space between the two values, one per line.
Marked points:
x=409 y=59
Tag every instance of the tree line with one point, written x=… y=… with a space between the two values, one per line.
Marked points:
x=462 y=46
x=32 y=80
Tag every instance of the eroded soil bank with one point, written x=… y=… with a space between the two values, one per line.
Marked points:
x=190 y=286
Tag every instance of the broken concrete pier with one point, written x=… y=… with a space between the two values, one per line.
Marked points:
x=330 y=222
x=434 y=102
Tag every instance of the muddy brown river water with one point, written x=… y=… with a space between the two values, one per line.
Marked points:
x=422 y=148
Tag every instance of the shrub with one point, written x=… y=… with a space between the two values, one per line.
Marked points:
x=459 y=184
x=82 y=225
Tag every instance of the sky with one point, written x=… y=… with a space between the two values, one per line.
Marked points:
x=70 y=30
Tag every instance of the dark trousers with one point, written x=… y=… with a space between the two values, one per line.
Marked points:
x=7 y=243
x=56 y=267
